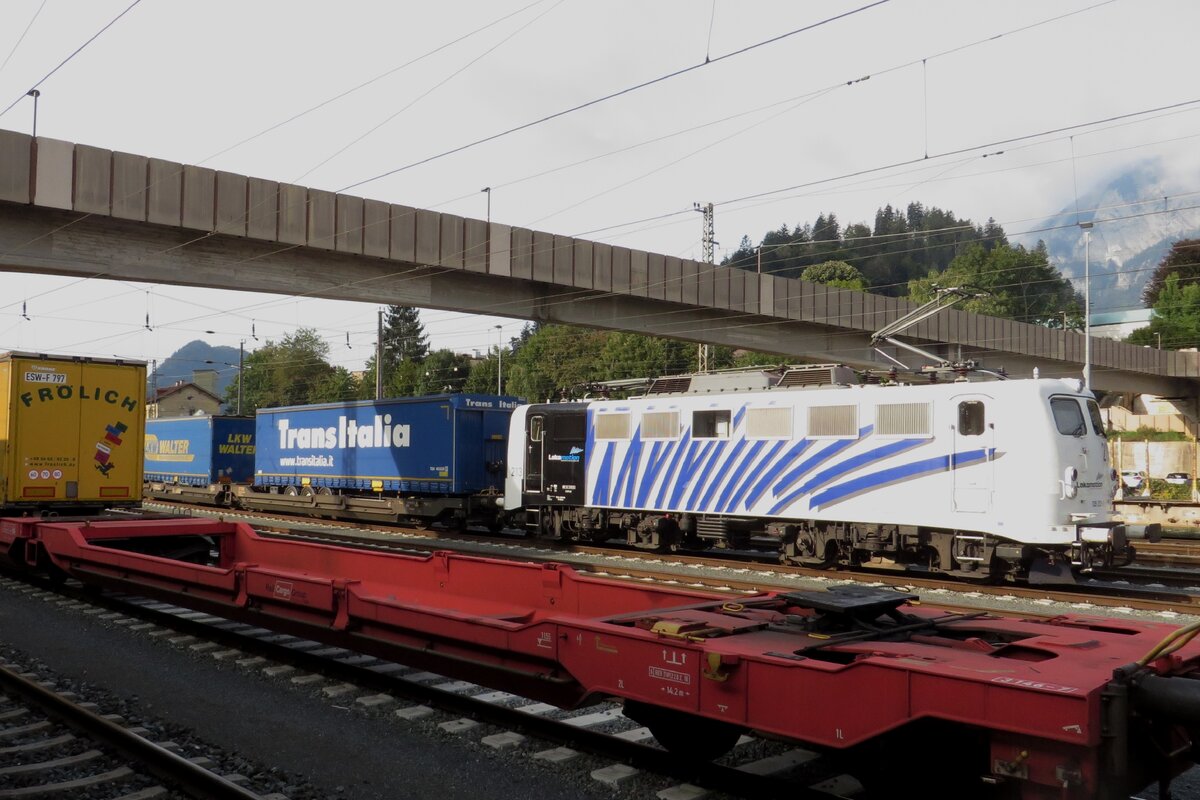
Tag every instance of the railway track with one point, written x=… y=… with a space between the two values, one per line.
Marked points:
x=756 y=768
x=52 y=745
x=1174 y=552
x=1111 y=590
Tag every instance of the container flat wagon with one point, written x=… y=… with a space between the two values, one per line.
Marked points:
x=199 y=458
x=71 y=433
x=414 y=460
x=918 y=701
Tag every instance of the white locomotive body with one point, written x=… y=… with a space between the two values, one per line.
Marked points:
x=964 y=477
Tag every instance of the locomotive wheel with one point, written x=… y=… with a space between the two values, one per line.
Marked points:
x=684 y=735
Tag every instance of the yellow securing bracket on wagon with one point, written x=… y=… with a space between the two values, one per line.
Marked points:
x=680 y=629
x=712 y=668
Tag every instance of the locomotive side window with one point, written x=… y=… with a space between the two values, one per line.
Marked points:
x=833 y=421
x=536 y=428
x=660 y=425
x=1068 y=418
x=711 y=424
x=903 y=419
x=612 y=426
x=1097 y=420
x=971 y=417
x=768 y=423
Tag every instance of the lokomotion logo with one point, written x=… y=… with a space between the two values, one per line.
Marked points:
x=573 y=456
x=376 y=433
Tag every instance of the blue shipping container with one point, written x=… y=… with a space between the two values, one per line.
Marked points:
x=441 y=444
x=200 y=451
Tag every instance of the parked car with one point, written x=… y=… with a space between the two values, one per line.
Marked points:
x=1132 y=480
x=1178 y=478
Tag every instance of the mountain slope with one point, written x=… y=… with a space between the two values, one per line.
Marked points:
x=1130 y=236
x=195 y=355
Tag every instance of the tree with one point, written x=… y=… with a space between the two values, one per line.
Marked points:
x=1176 y=320
x=442 y=371
x=481 y=378
x=292 y=371
x=1183 y=260
x=835 y=273
x=902 y=245
x=553 y=359
x=404 y=336
x=1014 y=282
x=339 y=385
x=404 y=339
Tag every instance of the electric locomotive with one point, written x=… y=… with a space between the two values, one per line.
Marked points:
x=971 y=478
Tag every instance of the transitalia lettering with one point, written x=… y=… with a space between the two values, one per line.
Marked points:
x=379 y=432
x=65 y=391
x=489 y=404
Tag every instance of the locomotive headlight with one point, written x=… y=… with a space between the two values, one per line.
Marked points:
x=1070 y=480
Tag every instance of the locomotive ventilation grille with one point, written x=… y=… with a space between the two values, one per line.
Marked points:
x=818 y=374
x=670 y=385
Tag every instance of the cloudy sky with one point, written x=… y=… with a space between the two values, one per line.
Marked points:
x=772 y=132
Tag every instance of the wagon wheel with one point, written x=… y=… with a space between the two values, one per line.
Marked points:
x=686 y=736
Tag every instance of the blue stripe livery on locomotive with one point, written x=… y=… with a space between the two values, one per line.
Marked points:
x=966 y=477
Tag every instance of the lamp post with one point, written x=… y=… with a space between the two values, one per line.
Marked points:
x=1087 y=304
x=488 y=191
x=499 y=357
x=241 y=366
x=35 y=94
x=241 y=369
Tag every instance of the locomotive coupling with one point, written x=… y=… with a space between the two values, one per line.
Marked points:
x=1151 y=532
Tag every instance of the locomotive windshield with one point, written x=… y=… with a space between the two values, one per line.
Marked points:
x=1068 y=417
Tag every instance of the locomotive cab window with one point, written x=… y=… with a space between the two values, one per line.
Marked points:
x=536 y=428
x=711 y=424
x=1097 y=420
x=971 y=417
x=1068 y=417
x=570 y=427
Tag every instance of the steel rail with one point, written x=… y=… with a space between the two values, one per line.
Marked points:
x=192 y=780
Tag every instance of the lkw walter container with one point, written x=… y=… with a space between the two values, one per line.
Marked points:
x=71 y=432
x=441 y=445
x=200 y=451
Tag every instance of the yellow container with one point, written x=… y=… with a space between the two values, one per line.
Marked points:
x=71 y=431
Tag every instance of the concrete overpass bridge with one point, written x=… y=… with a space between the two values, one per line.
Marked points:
x=72 y=209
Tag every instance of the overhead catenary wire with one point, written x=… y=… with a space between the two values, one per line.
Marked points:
x=24 y=33
x=369 y=82
x=612 y=95
x=74 y=53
